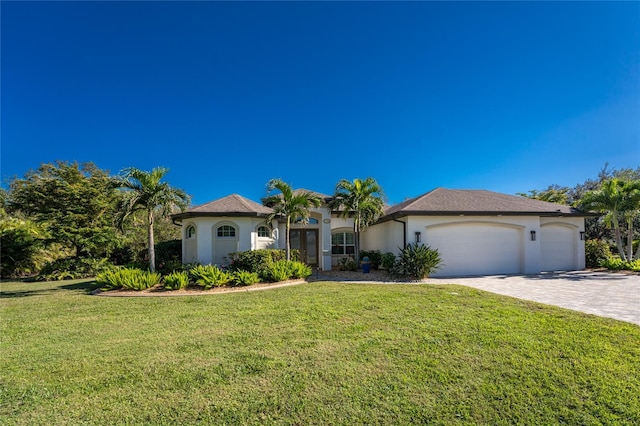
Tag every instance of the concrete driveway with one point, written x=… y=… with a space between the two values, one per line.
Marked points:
x=612 y=295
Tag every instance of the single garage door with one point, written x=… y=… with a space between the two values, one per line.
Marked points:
x=473 y=248
x=558 y=247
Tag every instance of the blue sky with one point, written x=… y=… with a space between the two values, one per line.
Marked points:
x=500 y=96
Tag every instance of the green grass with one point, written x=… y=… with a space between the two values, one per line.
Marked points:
x=321 y=353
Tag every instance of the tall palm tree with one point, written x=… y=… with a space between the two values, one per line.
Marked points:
x=144 y=191
x=360 y=199
x=289 y=205
x=620 y=200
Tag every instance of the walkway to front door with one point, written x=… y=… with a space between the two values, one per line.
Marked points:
x=306 y=241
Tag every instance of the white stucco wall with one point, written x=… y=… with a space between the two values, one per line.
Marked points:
x=386 y=237
x=470 y=245
x=206 y=227
x=474 y=245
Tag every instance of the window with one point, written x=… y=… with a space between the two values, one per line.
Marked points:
x=263 y=232
x=191 y=232
x=226 y=231
x=343 y=243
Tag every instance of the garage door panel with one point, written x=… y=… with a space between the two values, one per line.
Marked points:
x=558 y=248
x=477 y=249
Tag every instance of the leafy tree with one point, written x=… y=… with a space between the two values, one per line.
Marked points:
x=21 y=241
x=620 y=200
x=553 y=194
x=360 y=199
x=75 y=202
x=595 y=228
x=289 y=205
x=144 y=191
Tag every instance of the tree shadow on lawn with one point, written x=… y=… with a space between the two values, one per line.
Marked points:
x=86 y=286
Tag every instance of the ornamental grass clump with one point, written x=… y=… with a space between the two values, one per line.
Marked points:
x=299 y=270
x=176 y=280
x=128 y=279
x=209 y=276
x=242 y=278
x=277 y=271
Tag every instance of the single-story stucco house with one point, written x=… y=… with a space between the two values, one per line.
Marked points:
x=477 y=232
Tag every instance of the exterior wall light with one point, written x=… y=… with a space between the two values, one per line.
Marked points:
x=533 y=235
x=581 y=235
x=418 y=236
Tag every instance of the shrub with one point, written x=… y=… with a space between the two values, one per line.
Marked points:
x=176 y=280
x=209 y=276
x=169 y=256
x=415 y=262
x=375 y=257
x=348 y=264
x=258 y=260
x=299 y=270
x=596 y=251
x=387 y=261
x=617 y=264
x=128 y=279
x=245 y=278
x=277 y=271
x=68 y=268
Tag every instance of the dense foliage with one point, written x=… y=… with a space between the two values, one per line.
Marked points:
x=64 y=210
x=258 y=260
x=176 y=280
x=21 y=244
x=70 y=268
x=76 y=203
x=128 y=279
x=615 y=193
x=415 y=262
x=209 y=276
x=596 y=252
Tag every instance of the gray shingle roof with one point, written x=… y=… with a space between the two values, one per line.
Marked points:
x=443 y=201
x=231 y=205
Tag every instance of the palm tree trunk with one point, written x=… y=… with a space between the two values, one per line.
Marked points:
x=288 y=241
x=356 y=231
x=618 y=236
x=630 y=238
x=152 y=249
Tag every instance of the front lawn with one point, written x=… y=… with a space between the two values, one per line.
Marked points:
x=321 y=353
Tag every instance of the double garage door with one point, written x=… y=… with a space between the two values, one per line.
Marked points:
x=477 y=248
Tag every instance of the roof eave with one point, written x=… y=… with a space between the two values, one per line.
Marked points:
x=187 y=215
x=401 y=214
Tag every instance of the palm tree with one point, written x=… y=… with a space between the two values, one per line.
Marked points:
x=289 y=205
x=360 y=199
x=619 y=199
x=145 y=192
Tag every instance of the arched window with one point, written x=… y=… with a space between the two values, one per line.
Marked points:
x=263 y=232
x=343 y=243
x=226 y=231
x=191 y=232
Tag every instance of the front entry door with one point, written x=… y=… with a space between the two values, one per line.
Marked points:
x=306 y=241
